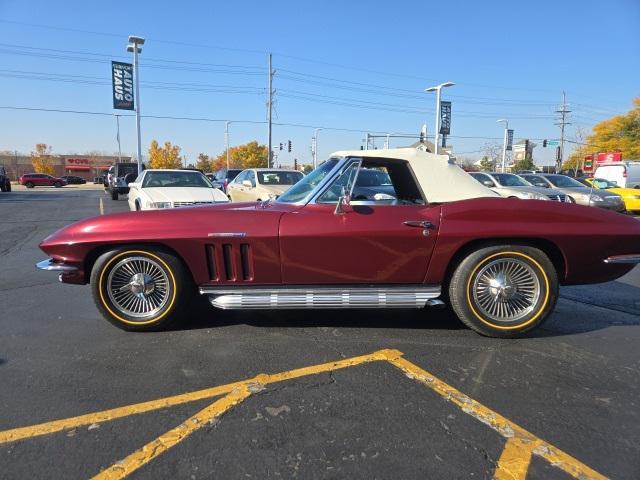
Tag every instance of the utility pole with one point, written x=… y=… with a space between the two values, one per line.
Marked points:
x=562 y=122
x=270 y=107
x=226 y=140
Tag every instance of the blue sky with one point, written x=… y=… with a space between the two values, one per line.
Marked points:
x=358 y=66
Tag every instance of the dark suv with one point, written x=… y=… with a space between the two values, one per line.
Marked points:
x=223 y=177
x=119 y=176
x=5 y=183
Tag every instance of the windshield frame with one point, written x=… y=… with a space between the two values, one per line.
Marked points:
x=328 y=178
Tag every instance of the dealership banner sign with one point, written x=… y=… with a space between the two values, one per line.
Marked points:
x=122 y=80
x=509 y=139
x=445 y=118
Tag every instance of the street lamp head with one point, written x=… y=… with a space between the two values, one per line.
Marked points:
x=438 y=87
x=502 y=120
x=136 y=40
x=131 y=47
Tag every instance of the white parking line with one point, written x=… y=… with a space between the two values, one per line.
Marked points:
x=101 y=207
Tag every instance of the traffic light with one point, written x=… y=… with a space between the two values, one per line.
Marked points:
x=295 y=163
x=280 y=145
x=544 y=143
x=289 y=146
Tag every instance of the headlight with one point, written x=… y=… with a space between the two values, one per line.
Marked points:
x=533 y=196
x=635 y=197
x=160 y=205
x=595 y=198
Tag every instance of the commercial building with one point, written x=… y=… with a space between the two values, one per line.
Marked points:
x=86 y=166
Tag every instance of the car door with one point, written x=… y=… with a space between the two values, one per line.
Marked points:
x=367 y=244
x=236 y=189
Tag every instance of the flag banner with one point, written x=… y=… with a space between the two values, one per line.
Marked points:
x=445 y=118
x=122 y=80
x=509 y=139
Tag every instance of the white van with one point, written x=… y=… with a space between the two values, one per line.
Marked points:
x=625 y=174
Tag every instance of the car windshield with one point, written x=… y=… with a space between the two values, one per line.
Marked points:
x=602 y=183
x=278 y=177
x=563 y=181
x=510 y=180
x=372 y=178
x=175 y=179
x=301 y=190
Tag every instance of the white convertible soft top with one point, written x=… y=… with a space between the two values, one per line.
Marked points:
x=440 y=178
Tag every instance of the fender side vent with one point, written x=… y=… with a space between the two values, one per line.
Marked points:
x=246 y=261
x=227 y=256
x=212 y=263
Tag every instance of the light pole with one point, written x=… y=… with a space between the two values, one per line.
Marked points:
x=226 y=140
x=437 y=89
x=134 y=46
x=118 y=137
x=504 y=143
x=315 y=147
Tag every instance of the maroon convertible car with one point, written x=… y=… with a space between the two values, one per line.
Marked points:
x=441 y=238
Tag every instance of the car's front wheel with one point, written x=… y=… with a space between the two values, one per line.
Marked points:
x=29 y=185
x=8 y=187
x=140 y=289
x=504 y=291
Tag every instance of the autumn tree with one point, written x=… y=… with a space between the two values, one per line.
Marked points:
x=249 y=155
x=204 y=163
x=41 y=159
x=616 y=134
x=164 y=157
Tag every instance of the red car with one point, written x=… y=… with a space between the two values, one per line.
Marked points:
x=442 y=238
x=31 y=180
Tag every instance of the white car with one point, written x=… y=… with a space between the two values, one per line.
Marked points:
x=257 y=184
x=625 y=174
x=155 y=189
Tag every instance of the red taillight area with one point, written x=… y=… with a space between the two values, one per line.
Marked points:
x=624 y=172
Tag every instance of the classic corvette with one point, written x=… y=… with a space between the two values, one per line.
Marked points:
x=443 y=239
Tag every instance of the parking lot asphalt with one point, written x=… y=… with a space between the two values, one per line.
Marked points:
x=346 y=394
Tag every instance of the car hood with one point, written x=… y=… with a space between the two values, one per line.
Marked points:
x=184 y=194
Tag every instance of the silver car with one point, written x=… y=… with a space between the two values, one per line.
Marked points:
x=577 y=191
x=510 y=185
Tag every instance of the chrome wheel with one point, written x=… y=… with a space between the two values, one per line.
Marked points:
x=506 y=290
x=138 y=287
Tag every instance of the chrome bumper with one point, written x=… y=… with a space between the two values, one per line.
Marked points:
x=51 y=266
x=633 y=258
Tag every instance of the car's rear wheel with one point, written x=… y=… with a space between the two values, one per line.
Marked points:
x=8 y=187
x=114 y=195
x=29 y=185
x=57 y=184
x=139 y=289
x=504 y=291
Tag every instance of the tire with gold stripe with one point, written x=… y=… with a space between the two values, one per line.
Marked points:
x=140 y=289
x=505 y=290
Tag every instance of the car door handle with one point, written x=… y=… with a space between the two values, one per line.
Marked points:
x=423 y=224
x=419 y=224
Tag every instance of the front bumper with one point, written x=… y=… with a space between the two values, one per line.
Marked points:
x=51 y=266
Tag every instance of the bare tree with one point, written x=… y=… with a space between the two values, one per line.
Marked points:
x=493 y=151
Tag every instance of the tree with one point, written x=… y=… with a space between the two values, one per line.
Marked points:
x=616 y=134
x=466 y=163
x=493 y=154
x=307 y=169
x=203 y=163
x=524 y=164
x=41 y=159
x=249 y=155
x=164 y=157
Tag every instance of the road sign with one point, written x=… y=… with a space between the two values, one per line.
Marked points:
x=553 y=142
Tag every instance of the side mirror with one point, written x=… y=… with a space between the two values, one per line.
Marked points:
x=343 y=201
x=247 y=183
x=488 y=183
x=133 y=185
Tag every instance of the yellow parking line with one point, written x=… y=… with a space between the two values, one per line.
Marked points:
x=513 y=464
x=164 y=442
x=115 y=413
x=518 y=452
